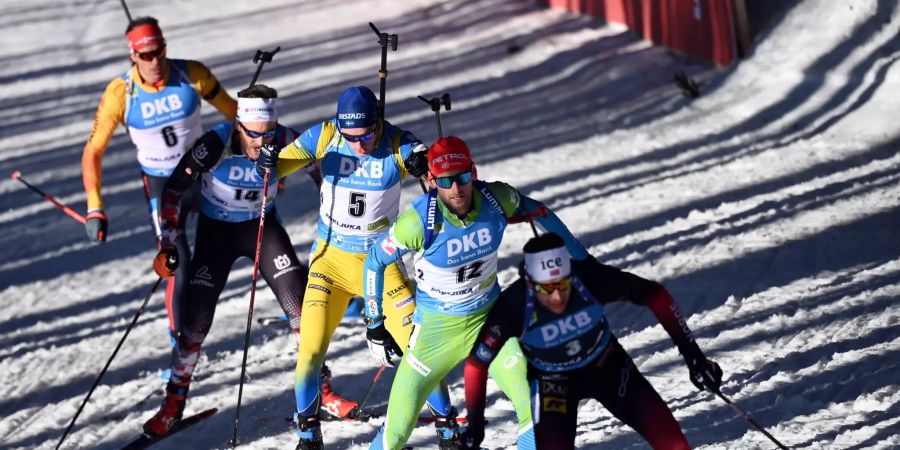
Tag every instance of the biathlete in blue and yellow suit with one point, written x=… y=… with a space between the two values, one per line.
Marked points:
x=363 y=161
x=158 y=101
x=232 y=195
x=456 y=230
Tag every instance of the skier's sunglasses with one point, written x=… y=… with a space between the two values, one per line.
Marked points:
x=268 y=134
x=360 y=137
x=549 y=288
x=153 y=54
x=460 y=179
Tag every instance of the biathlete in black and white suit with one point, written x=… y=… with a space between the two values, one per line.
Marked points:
x=231 y=198
x=557 y=312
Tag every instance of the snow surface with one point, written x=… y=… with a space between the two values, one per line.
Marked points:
x=768 y=206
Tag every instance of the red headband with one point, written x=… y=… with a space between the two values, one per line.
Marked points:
x=144 y=35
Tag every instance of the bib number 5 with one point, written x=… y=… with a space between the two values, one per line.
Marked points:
x=357 y=204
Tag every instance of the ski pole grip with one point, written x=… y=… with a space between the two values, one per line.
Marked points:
x=16 y=174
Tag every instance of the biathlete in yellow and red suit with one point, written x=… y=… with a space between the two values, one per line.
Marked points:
x=158 y=102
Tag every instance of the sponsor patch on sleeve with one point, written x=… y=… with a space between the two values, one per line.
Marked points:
x=372 y=307
x=389 y=246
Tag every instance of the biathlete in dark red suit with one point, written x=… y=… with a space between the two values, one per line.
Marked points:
x=231 y=197
x=556 y=311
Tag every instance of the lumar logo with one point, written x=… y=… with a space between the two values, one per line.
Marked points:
x=346 y=116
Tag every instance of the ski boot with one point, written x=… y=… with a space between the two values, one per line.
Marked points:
x=333 y=404
x=170 y=413
x=309 y=432
x=447 y=431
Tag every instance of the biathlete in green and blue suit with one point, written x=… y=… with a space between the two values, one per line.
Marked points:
x=456 y=230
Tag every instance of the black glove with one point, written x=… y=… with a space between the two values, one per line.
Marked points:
x=96 y=225
x=473 y=436
x=268 y=156
x=166 y=261
x=417 y=163
x=705 y=374
x=382 y=344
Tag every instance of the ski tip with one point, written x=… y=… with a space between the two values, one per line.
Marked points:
x=16 y=174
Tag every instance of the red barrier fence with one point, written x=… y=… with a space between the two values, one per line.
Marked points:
x=702 y=28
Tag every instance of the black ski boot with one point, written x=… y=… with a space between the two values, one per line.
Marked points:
x=447 y=431
x=309 y=432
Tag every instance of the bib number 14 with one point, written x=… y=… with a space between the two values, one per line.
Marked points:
x=240 y=194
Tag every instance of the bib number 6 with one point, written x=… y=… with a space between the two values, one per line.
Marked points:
x=168 y=134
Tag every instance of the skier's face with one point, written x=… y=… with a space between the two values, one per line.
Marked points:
x=361 y=140
x=457 y=197
x=150 y=61
x=554 y=294
x=253 y=135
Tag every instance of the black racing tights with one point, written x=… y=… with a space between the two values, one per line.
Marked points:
x=618 y=385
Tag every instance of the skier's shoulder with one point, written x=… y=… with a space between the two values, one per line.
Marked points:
x=507 y=196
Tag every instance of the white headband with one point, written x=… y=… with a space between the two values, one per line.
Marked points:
x=549 y=264
x=256 y=110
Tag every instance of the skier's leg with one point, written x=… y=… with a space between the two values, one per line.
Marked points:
x=437 y=345
x=624 y=391
x=509 y=371
x=324 y=303
x=209 y=271
x=283 y=271
x=175 y=286
x=399 y=306
x=555 y=413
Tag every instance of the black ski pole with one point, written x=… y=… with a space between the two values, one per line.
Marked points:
x=435 y=104
x=749 y=419
x=365 y=398
x=127 y=12
x=103 y=372
x=261 y=58
x=259 y=235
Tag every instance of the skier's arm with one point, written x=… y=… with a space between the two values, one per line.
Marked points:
x=407 y=233
x=110 y=113
x=301 y=152
x=613 y=283
x=520 y=208
x=610 y=284
x=504 y=321
x=201 y=157
x=209 y=88
x=413 y=155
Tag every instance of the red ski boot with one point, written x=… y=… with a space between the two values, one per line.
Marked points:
x=169 y=414
x=332 y=403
